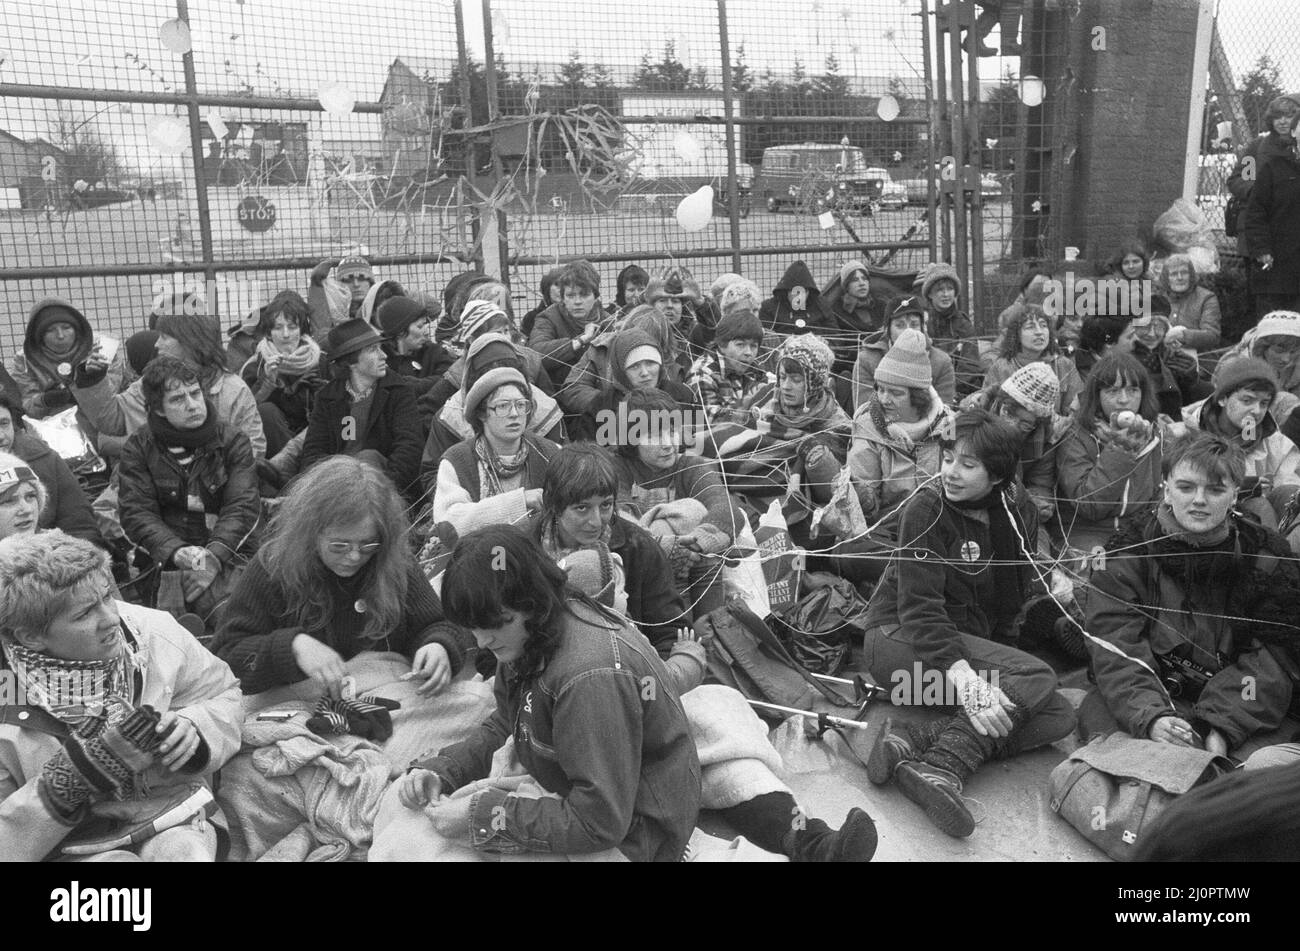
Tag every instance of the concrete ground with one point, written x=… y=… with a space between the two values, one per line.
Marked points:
x=1009 y=799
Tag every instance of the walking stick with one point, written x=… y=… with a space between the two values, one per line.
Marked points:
x=821 y=718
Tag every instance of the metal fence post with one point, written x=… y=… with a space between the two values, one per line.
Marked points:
x=467 y=103
x=498 y=222
x=196 y=148
x=729 y=112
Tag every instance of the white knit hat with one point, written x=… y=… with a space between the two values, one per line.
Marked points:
x=1278 y=323
x=1035 y=387
x=643 y=352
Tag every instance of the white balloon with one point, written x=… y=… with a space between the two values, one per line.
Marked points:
x=168 y=135
x=1031 y=90
x=695 y=211
x=175 y=35
x=337 y=98
x=887 y=108
x=687 y=149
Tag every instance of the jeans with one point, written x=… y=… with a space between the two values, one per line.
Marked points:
x=892 y=661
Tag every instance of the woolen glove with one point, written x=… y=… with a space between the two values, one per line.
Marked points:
x=58 y=398
x=99 y=761
x=81 y=377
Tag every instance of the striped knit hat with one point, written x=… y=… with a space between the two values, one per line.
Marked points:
x=907 y=363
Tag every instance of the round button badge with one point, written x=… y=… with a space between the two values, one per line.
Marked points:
x=360 y=606
x=65 y=369
x=970 y=551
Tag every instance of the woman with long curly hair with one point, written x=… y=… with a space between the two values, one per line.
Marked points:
x=1030 y=337
x=594 y=715
x=336 y=577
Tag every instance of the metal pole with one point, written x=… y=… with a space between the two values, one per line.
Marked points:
x=795 y=711
x=957 y=133
x=942 y=147
x=494 y=113
x=975 y=297
x=196 y=147
x=729 y=112
x=467 y=103
x=930 y=197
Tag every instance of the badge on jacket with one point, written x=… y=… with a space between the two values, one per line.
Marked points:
x=970 y=551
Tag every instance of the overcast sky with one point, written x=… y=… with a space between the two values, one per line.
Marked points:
x=294 y=47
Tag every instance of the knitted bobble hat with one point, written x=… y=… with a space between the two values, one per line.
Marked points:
x=815 y=357
x=597 y=572
x=1035 y=387
x=1278 y=323
x=907 y=363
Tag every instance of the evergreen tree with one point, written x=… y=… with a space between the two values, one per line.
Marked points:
x=831 y=84
x=742 y=80
x=573 y=74
x=1259 y=87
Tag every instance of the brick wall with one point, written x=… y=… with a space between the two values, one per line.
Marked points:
x=1121 y=158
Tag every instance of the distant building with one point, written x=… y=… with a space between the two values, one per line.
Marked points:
x=21 y=184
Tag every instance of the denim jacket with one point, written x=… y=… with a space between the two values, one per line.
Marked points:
x=603 y=728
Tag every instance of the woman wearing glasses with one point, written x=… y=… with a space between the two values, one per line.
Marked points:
x=495 y=476
x=335 y=578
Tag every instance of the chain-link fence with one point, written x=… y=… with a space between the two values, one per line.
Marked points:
x=166 y=146
x=1252 y=62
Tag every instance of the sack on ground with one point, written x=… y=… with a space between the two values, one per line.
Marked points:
x=1113 y=789
x=819 y=629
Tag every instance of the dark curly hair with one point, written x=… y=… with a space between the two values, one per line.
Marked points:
x=289 y=304
x=161 y=371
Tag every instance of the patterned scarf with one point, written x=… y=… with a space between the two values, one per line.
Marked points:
x=551 y=538
x=495 y=469
x=71 y=690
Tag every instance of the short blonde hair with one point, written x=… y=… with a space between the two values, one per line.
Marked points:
x=38 y=575
x=9 y=461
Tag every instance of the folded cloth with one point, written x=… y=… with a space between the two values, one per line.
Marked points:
x=737 y=761
x=366 y=717
x=678 y=517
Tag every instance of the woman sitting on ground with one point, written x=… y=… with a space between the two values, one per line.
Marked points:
x=1028 y=400
x=896 y=449
x=336 y=577
x=494 y=477
x=679 y=497
x=1194 y=616
x=365 y=411
x=1031 y=338
x=1196 y=318
x=946 y=606
x=284 y=370
x=125 y=715
x=579 y=510
x=64 y=505
x=1108 y=465
x=196 y=339
x=621 y=772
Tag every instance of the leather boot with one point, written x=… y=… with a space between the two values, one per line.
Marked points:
x=855 y=841
x=935 y=780
x=891 y=748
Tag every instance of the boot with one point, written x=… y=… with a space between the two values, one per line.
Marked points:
x=935 y=781
x=890 y=748
x=855 y=841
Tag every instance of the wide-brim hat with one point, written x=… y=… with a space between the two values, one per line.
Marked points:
x=350 y=337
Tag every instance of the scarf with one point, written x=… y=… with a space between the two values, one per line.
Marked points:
x=74 y=689
x=813 y=418
x=1196 y=561
x=171 y=437
x=908 y=435
x=496 y=468
x=1008 y=553
x=551 y=538
x=302 y=362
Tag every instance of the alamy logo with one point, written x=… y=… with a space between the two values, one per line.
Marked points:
x=77 y=904
x=918 y=687
x=675 y=427
x=86 y=686
x=1084 y=296
x=179 y=297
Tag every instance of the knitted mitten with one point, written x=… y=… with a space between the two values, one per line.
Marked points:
x=99 y=761
x=367 y=717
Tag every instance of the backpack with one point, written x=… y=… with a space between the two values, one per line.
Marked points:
x=1112 y=790
x=745 y=655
